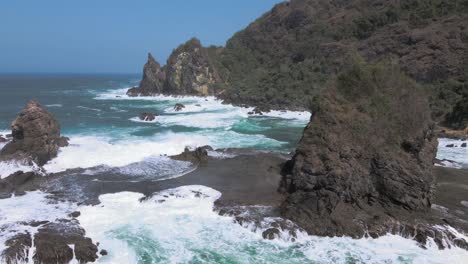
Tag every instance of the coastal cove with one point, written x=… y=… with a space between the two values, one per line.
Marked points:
x=325 y=131
x=123 y=165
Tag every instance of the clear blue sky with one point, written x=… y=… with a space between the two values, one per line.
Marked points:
x=112 y=36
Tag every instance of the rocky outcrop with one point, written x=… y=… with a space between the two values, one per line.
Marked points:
x=147 y=116
x=189 y=71
x=18 y=183
x=153 y=79
x=364 y=163
x=36 y=136
x=200 y=154
x=178 y=107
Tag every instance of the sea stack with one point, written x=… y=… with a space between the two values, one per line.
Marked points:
x=189 y=71
x=36 y=136
x=364 y=163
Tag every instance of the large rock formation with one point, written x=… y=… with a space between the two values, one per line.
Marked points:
x=365 y=160
x=189 y=71
x=36 y=136
x=153 y=79
x=285 y=57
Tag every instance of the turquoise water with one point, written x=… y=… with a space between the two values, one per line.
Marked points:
x=105 y=133
x=101 y=120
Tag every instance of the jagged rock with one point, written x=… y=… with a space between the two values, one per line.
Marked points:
x=463 y=145
x=2 y=139
x=75 y=214
x=363 y=159
x=52 y=243
x=19 y=182
x=133 y=92
x=36 y=136
x=450 y=145
x=178 y=107
x=153 y=79
x=271 y=233
x=189 y=70
x=16 y=249
x=147 y=116
x=198 y=155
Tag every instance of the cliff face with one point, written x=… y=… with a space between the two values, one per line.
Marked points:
x=286 y=56
x=189 y=71
x=366 y=157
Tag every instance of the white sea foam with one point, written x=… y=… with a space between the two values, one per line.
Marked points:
x=89 y=108
x=456 y=153
x=180 y=226
x=89 y=151
x=33 y=206
x=9 y=167
x=54 y=105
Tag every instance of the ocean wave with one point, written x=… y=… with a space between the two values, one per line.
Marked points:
x=33 y=206
x=457 y=153
x=9 y=167
x=54 y=105
x=180 y=226
x=89 y=108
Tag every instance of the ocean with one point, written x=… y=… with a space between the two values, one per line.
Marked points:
x=106 y=135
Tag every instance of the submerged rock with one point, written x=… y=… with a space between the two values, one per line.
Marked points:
x=36 y=136
x=365 y=159
x=147 y=116
x=178 y=107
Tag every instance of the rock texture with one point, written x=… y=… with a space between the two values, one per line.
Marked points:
x=197 y=155
x=36 y=136
x=189 y=71
x=147 y=116
x=284 y=58
x=153 y=79
x=365 y=160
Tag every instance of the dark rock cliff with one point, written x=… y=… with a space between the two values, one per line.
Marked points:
x=285 y=57
x=366 y=157
x=36 y=136
x=153 y=79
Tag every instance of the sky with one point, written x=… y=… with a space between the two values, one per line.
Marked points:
x=112 y=36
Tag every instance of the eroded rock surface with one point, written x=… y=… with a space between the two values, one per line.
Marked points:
x=36 y=136
x=365 y=160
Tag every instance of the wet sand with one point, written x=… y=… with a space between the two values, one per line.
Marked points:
x=243 y=180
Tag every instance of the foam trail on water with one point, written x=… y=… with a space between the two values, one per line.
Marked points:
x=457 y=153
x=180 y=226
x=33 y=206
x=89 y=151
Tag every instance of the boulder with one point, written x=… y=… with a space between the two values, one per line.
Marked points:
x=198 y=155
x=133 y=92
x=2 y=139
x=450 y=145
x=36 y=136
x=178 y=107
x=463 y=145
x=147 y=116
x=365 y=159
